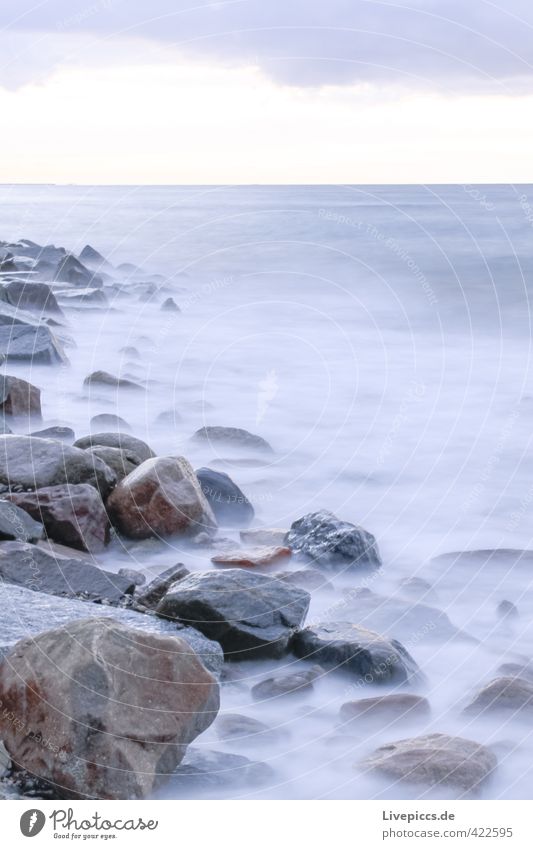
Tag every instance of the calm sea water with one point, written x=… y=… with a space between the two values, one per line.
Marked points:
x=380 y=339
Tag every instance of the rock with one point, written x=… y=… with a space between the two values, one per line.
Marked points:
x=5 y=761
x=133 y=575
x=156 y=589
x=119 y=461
x=511 y=694
x=168 y=418
x=416 y=588
x=386 y=709
x=483 y=559
x=66 y=434
x=130 y=351
x=291 y=684
x=92 y=258
x=31 y=296
x=18 y=398
x=308 y=579
x=265 y=556
x=227 y=501
x=72 y=514
x=71 y=270
x=26 y=612
x=231 y=436
x=32 y=567
x=30 y=343
x=103 y=378
x=4 y=428
x=111 y=734
x=249 y=614
x=517 y=670
x=160 y=498
x=17 y=524
x=96 y=297
x=103 y=420
x=434 y=759
x=117 y=440
x=202 y=772
x=362 y=653
x=170 y=305
x=507 y=610
x=246 y=729
x=34 y=463
x=264 y=536
x=329 y=542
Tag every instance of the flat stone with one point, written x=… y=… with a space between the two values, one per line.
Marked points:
x=16 y=523
x=331 y=543
x=265 y=556
x=386 y=709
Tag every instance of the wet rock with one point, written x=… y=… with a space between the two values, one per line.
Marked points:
x=308 y=579
x=34 y=297
x=103 y=420
x=249 y=614
x=121 y=462
x=32 y=567
x=117 y=440
x=133 y=575
x=104 y=378
x=290 y=684
x=170 y=305
x=156 y=589
x=72 y=514
x=329 y=542
x=434 y=759
x=231 y=436
x=264 y=536
x=352 y=649
x=160 y=498
x=204 y=771
x=93 y=259
x=71 y=270
x=66 y=434
x=30 y=343
x=386 y=709
x=18 y=398
x=253 y=557
x=114 y=734
x=18 y=524
x=227 y=501
x=246 y=729
x=34 y=463
x=511 y=694
x=507 y=610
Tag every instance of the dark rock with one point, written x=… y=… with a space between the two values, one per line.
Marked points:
x=92 y=258
x=227 y=501
x=511 y=695
x=329 y=542
x=231 y=436
x=170 y=305
x=133 y=575
x=386 y=709
x=117 y=440
x=18 y=398
x=30 y=343
x=121 y=462
x=152 y=594
x=249 y=614
x=362 y=653
x=18 y=524
x=290 y=684
x=103 y=378
x=72 y=514
x=103 y=420
x=204 y=771
x=71 y=270
x=66 y=434
x=32 y=296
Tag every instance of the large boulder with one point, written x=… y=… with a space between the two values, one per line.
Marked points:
x=510 y=694
x=72 y=514
x=250 y=615
x=47 y=571
x=18 y=524
x=329 y=542
x=30 y=343
x=233 y=437
x=160 y=498
x=117 y=440
x=29 y=295
x=117 y=708
x=364 y=654
x=18 y=398
x=33 y=463
x=433 y=760
x=227 y=501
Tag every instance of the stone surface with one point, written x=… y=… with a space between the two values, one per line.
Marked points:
x=161 y=497
x=264 y=536
x=71 y=270
x=30 y=343
x=117 y=440
x=72 y=514
x=65 y=434
x=18 y=524
x=103 y=378
x=18 y=398
x=34 y=463
x=211 y=772
x=352 y=649
x=265 y=556
x=308 y=579
x=227 y=501
x=288 y=684
x=170 y=305
x=386 y=709
x=152 y=594
x=235 y=437
x=433 y=760
x=31 y=296
x=246 y=730
x=37 y=569
x=120 y=461
x=109 y=420
x=329 y=542
x=116 y=706
x=249 y=614
x=511 y=694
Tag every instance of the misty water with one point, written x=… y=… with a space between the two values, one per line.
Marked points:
x=380 y=339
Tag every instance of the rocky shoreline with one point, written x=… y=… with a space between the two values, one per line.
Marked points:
x=105 y=677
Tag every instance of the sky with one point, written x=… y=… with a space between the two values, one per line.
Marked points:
x=266 y=91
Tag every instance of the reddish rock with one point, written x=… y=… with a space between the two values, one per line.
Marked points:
x=160 y=497
x=19 y=398
x=72 y=514
x=264 y=556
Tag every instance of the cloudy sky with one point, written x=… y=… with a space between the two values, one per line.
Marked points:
x=266 y=91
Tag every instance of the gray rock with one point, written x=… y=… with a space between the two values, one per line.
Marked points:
x=134 y=575
x=71 y=270
x=433 y=760
x=33 y=463
x=65 y=434
x=117 y=440
x=121 y=462
x=29 y=343
x=290 y=684
x=246 y=729
x=511 y=695
x=31 y=296
x=93 y=259
x=516 y=670
x=250 y=615
x=307 y=579
x=208 y=771
x=104 y=378
x=507 y=610
x=15 y=523
x=352 y=649
x=93 y=297
x=170 y=305
x=109 y=420
x=327 y=541
x=231 y=436
x=19 y=399
x=381 y=710
x=227 y=501
x=152 y=594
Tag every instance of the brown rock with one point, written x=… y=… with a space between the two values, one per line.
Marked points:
x=397 y=706
x=19 y=398
x=265 y=556
x=72 y=514
x=161 y=497
x=290 y=684
x=510 y=694
x=102 y=710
